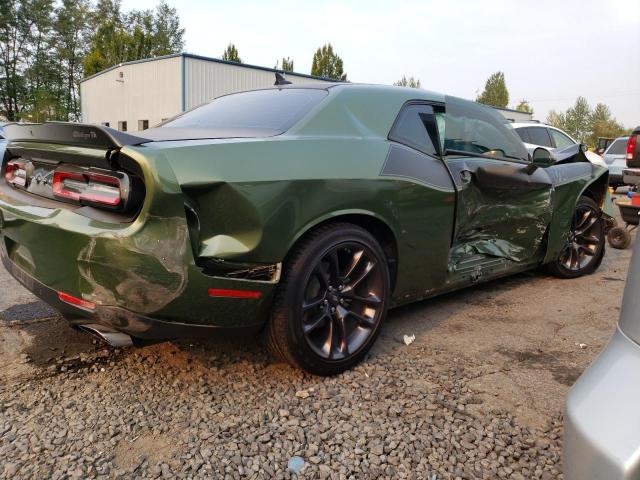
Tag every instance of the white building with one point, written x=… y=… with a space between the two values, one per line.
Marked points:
x=515 y=115
x=137 y=95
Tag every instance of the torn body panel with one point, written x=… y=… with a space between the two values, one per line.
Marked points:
x=498 y=219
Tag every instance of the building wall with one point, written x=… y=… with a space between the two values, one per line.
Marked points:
x=206 y=80
x=515 y=116
x=147 y=90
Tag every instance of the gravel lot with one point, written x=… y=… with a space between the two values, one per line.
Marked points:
x=478 y=394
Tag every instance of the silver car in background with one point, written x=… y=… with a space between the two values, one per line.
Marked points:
x=602 y=416
x=535 y=134
x=614 y=157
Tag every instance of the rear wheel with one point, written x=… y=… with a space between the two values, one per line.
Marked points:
x=331 y=301
x=584 y=248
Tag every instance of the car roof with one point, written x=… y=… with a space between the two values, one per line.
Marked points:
x=411 y=93
x=530 y=124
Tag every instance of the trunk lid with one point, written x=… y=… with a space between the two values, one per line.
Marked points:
x=74 y=164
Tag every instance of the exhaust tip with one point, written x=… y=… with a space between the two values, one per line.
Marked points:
x=112 y=337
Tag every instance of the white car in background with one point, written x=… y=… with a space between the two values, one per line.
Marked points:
x=535 y=134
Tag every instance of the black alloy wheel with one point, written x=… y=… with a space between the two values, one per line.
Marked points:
x=584 y=248
x=343 y=301
x=331 y=301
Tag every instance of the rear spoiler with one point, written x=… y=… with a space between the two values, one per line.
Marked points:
x=66 y=133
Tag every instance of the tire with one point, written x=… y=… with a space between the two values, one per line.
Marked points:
x=322 y=320
x=619 y=237
x=584 y=250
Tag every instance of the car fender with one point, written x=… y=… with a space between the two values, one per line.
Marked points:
x=337 y=216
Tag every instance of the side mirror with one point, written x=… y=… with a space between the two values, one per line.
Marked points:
x=543 y=158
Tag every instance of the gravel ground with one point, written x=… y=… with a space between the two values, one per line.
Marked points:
x=477 y=395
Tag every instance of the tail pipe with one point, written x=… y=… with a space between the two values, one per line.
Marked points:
x=112 y=337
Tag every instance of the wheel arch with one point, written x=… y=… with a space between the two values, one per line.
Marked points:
x=378 y=227
x=596 y=190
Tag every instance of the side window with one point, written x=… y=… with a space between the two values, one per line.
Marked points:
x=415 y=127
x=561 y=140
x=522 y=133
x=475 y=128
x=619 y=147
x=539 y=136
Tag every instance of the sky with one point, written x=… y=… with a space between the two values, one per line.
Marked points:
x=550 y=51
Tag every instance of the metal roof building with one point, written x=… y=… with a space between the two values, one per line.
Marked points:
x=136 y=95
x=515 y=115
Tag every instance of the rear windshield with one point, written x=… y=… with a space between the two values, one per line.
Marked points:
x=619 y=147
x=271 y=111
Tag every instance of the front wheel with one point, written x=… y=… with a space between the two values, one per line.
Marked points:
x=585 y=245
x=331 y=301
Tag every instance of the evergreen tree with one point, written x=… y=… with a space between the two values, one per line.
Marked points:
x=577 y=119
x=495 y=92
x=408 y=82
x=524 y=106
x=327 y=64
x=287 y=65
x=231 y=54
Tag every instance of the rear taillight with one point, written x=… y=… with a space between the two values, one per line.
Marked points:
x=15 y=173
x=631 y=146
x=90 y=187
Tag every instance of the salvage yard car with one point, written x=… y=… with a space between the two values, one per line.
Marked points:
x=301 y=212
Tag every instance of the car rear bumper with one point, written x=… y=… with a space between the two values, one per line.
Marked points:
x=120 y=319
x=141 y=277
x=631 y=176
x=602 y=418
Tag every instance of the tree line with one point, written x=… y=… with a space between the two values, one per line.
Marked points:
x=580 y=121
x=48 y=46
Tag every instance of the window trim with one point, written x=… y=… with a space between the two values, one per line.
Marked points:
x=412 y=103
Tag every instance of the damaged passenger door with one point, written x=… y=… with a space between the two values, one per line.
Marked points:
x=503 y=203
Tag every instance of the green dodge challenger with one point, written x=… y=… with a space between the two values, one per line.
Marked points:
x=302 y=212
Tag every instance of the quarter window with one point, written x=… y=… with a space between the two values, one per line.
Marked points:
x=560 y=139
x=475 y=128
x=539 y=136
x=416 y=128
x=522 y=133
x=619 y=147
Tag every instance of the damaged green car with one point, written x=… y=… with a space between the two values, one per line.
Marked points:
x=303 y=213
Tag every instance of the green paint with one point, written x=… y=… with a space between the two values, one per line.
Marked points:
x=255 y=198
